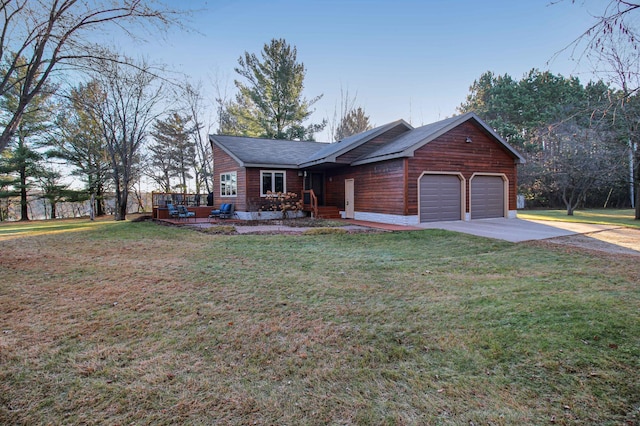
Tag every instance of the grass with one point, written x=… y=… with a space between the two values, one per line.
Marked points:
x=623 y=217
x=128 y=323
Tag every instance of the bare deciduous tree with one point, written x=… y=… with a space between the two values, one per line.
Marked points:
x=193 y=102
x=78 y=141
x=125 y=111
x=52 y=34
x=612 y=43
x=349 y=120
x=577 y=159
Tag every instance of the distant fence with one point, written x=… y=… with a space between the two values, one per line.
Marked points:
x=39 y=208
x=161 y=199
x=200 y=204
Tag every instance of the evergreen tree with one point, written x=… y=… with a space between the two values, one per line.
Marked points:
x=270 y=102
x=355 y=121
x=23 y=161
x=79 y=141
x=173 y=152
x=52 y=189
x=562 y=127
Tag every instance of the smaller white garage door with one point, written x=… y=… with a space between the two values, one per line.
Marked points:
x=440 y=198
x=487 y=197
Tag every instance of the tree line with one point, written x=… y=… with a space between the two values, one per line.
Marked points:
x=574 y=137
x=125 y=119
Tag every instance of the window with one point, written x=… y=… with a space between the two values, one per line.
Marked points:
x=272 y=181
x=228 y=184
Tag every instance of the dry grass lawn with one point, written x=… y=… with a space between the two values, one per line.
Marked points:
x=135 y=323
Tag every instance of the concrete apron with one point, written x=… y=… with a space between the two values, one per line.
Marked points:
x=517 y=230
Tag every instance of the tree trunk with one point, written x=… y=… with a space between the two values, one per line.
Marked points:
x=92 y=205
x=636 y=182
x=53 y=210
x=568 y=203
x=100 y=209
x=24 y=207
x=122 y=197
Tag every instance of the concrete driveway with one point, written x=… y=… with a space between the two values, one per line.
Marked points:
x=517 y=230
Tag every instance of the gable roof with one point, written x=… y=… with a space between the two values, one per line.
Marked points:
x=254 y=152
x=406 y=144
x=331 y=152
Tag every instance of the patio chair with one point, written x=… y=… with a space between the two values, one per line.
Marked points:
x=225 y=211
x=183 y=213
x=173 y=212
x=216 y=212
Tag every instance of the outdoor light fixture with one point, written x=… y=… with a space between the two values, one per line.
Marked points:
x=468 y=140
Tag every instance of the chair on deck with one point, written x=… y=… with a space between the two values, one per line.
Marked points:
x=228 y=212
x=225 y=211
x=173 y=212
x=183 y=213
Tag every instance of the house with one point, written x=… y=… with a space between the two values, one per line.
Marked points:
x=454 y=169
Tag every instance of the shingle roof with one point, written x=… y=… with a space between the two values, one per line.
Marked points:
x=333 y=150
x=260 y=152
x=405 y=144
x=253 y=152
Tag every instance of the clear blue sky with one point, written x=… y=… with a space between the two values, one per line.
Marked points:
x=413 y=60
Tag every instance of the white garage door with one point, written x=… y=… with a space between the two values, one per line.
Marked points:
x=440 y=198
x=487 y=197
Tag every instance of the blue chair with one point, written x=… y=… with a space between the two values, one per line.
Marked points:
x=225 y=211
x=183 y=213
x=228 y=212
x=173 y=212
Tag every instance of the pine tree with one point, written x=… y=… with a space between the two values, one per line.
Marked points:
x=173 y=152
x=355 y=121
x=270 y=102
x=23 y=160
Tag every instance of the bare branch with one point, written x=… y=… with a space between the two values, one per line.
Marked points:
x=51 y=33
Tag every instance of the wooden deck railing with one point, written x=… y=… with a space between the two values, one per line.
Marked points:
x=310 y=202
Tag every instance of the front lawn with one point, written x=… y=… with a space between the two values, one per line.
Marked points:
x=623 y=217
x=123 y=323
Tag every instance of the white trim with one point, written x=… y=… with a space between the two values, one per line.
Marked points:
x=235 y=173
x=393 y=219
x=273 y=181
x=463 y=191
x=505 y=191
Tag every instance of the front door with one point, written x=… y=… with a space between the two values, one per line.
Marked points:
x=349 y=211
x=315 y=181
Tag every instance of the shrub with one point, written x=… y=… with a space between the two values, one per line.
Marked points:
x=282 y=201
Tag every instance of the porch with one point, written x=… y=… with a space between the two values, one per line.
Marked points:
x=310 y=204
x=193 y=202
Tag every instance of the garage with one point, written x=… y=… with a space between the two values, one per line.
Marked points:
x=440 y=197
x=487 y=197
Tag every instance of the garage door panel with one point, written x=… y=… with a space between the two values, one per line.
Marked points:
x=487 y=197
x=440 y=198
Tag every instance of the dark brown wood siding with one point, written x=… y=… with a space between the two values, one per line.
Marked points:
x=373 y=144
x=254 y=200
x=450 y=153
x=223 y=163
x=378 y=187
